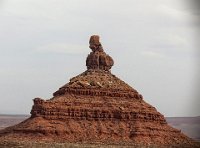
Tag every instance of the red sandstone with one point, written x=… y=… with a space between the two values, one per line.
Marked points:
x=96 y=106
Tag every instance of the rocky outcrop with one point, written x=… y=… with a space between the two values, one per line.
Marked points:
x=95 y=109
x=98 y=59
x=96 y=106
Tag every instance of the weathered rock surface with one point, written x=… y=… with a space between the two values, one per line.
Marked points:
x=98 y=59
x=96 y=106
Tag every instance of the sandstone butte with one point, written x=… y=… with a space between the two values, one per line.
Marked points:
x=97 y=107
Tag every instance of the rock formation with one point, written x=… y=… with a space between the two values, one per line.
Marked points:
x=96 y=106
x=98 y=59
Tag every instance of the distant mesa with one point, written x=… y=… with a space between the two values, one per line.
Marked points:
x=97 y=107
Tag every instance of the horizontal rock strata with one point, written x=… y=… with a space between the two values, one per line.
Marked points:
x=97 y=107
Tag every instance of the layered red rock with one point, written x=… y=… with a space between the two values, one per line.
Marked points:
x=96 y=106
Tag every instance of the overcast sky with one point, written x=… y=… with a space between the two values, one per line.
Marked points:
x=154 y=44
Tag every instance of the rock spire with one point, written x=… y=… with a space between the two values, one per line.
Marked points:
x=98 y=59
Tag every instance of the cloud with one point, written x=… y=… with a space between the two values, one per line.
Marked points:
x=172 y=46
x=62 y=48
x=193 y=6
x=173 y=12
x=172 y=42
x=184 y=13
x=152 y=54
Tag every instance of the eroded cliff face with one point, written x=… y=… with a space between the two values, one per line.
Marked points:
x=96 y=106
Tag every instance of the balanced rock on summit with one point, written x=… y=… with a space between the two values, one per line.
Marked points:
x=98 y=59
